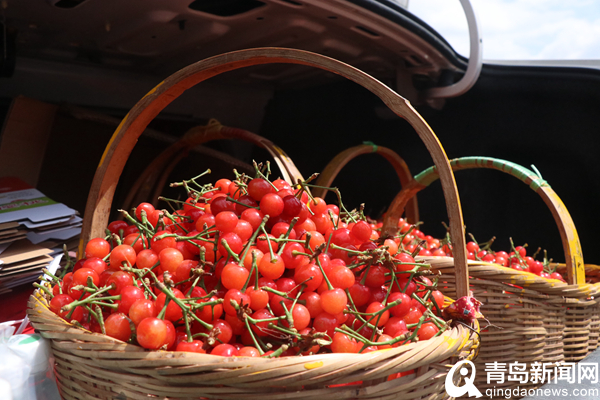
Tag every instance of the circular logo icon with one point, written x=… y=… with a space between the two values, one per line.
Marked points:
x=468 y=387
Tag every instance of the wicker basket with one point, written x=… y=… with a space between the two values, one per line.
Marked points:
x=93 y=366
x=542 y=320
x=583 y=318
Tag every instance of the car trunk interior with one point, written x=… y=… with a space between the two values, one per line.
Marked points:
x=96 y=59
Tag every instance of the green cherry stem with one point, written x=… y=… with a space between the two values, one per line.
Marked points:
x=100 y=319
x=272 y=254
x=230 y=252
x=256 y=344
x=285 y=238
x=252 y=239
x=44 y=288
x=252 y=269
x=329 y=285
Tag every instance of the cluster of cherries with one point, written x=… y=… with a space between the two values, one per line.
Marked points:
x=251 y=267
x=516 y=259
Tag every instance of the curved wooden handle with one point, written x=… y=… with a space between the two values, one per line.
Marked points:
x=122 y=142
x=153 y=179
x=334 y=167
x=568 y=233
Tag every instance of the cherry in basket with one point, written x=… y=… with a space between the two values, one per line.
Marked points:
x=252 y=267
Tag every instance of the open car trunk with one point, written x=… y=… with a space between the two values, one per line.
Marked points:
x=95 y=59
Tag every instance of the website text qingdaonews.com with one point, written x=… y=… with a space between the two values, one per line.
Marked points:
x=509 y=393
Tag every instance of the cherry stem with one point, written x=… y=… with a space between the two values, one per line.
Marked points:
x=286 y=236
x=292 y=332
x=410 y=229
x=170 y=216
x=188 y=330
x=334 y=222
x=184 y=308
x=287 y=240
x=51 y=275
x=194 y=283
x=161 y=314
x=231 y=199
x=140 y=274
x=109 y=305
x=138 y=237
x=307 y=241
x=288 y=313
x=198 y=306
x=190 y=239
x=92 y=297
x=141 y=226
x=329 y=285
x=195 y=299
x=364 y=278
x=254 y=236
x=100 y=319
x=196 y=335
x=338 y=194
x=389 y=291
x=357 y=314
x=352 y=252
x=277 y=292
x=514 y=250
x=260 y=174
x=69 y=262
x=487 y=245
x=262 y=228
x=253 y=268
x=185 y=183
x=230 y=252
x=438 y=321
x=44 y=288
x=300 y=253
x=346 y=330
x=256 y=344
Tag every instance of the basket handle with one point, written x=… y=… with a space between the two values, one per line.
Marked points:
x=566 y=226
x=336 y=164
x=154 y=177
x=123 y=140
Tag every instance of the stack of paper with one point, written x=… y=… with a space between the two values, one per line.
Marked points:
x=33 y=228
x=21 y=262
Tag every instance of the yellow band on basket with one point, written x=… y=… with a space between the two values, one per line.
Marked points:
x=451 y=341
x=382 y=350
x=313 y=365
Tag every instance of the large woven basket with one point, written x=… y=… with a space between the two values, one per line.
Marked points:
x=94 y=366
x=541 y=320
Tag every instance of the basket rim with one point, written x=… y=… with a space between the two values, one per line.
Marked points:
x=495 y=272
x=456 y=339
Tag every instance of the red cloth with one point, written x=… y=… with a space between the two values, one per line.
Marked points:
x=13 y=305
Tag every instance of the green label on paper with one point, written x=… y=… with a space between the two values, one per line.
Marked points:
x=30 y=339
x=18 y=205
